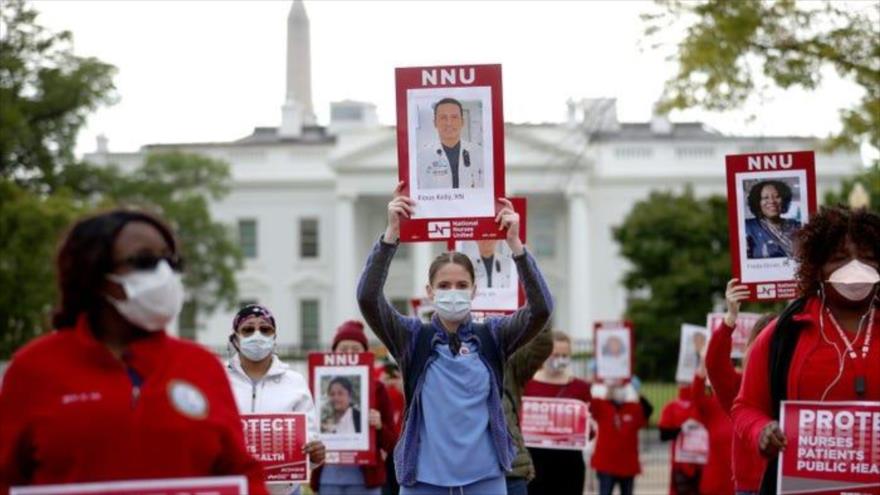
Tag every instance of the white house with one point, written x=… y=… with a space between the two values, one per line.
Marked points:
x=309 y=200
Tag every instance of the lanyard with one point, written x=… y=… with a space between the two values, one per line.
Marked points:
x=849 y=345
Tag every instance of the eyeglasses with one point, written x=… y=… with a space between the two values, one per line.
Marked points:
x=247 y=331
x=149 y=261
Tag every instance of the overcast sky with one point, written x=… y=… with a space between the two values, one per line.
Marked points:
x=213 y=70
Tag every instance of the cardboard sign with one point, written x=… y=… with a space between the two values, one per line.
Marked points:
x=833 y=447
x=740 y=337
x=550 y=423
x=691 y=345
x=450 y=149
x=218 y=485
x=770 y=196
x=498 y=289
x=614 y=350
x=692 y=444
x=276 y=440
x=343 y=389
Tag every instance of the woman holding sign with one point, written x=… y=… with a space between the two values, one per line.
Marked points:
x=454 y=435
x=109 y=395
x=262 y=383
x=825 y=346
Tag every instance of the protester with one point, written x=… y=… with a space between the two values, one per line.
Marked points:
x=725 y=379
x=517 y=372
x=263 y=383
x=394 y=386
x=558 y=471
x=363 y=480
x=454 y=435
x=109 y=395
x=620 y=413
x=684 y=477
x=826 y=344
x=717 y=476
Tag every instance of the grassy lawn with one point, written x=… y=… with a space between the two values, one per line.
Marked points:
x=658 y=394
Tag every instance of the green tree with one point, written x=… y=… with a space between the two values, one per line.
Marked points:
x=730 y=48
x=869 y=179
x=46 y=94
x=678 y=249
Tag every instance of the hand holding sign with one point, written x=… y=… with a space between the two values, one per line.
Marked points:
x=400 y=206
x=508 y=219
x=734 y=295
x=771 y=440
x=316 y=452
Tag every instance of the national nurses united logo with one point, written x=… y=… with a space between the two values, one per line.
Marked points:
x=188 y=400
x=439 y=230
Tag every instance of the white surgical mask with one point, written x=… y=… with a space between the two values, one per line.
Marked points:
x=154 y=297
x=257 y=346
x=854 y=280
x=558 y=363
x=453 y=305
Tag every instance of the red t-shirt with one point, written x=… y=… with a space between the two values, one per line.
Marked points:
x=672 y=417
x=717 y=477
x=69 y=412
x=575 y=389
x=748 y=468
x=814 y=367
x=617 y=442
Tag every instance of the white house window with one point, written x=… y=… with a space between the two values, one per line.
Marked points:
x=308 y=238
x=310 y=324
x=247 y=237
x=542 y=234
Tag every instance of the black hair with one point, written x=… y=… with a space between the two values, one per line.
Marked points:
x=445 y=101
x=754 y=199
x=85 y=257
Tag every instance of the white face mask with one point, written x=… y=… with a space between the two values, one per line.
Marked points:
x=558 y=363
x=257 y=346
x=154 y=297
x=453 y=305
x=854 y=280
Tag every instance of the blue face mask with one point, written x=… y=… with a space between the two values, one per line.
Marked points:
x=453 y=305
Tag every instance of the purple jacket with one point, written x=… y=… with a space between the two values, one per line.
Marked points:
x=397 y=332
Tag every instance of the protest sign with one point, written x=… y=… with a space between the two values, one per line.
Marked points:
x=744 y=324
x=343 y=391
x=692 y=444
x=770 y=196
x=614 y=350
x=691 y=346
x=497 y=280
x=551 y=423
x=833 y=447
x=277 y=440
x=218 y=485
x=450 y=148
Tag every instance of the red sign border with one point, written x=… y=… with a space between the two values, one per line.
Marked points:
x=416 y=230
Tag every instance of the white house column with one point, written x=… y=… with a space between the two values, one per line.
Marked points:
x=580 y=303
x=346 y=272
x=421 y=258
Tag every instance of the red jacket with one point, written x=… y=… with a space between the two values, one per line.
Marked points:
x=814 y=366
x=386 y=439
x=672 y=417
x=717 y=477
x=747 y=467
x=617 y=440
x=69 y=412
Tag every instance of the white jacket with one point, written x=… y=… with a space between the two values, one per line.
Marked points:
x=281 y=390
x=434 y=171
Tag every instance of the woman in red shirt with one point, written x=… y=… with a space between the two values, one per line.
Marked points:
x=108 y=395
x=827 y=342
x=558 y=471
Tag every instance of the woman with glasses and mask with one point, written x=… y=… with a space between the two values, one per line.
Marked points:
x=558 y=471
x=825 y=346
x=454 y=435
x=262 y=383
x=109 y=395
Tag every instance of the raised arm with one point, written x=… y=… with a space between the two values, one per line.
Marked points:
x=392 y=328
x=719 y=368
x=529 y=358
x=516 y=330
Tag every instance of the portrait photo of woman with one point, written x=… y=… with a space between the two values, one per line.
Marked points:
x=341 y=413
x=768 y=234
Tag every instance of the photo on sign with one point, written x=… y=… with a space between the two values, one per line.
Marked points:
x=497 y=279
x=772 y=208
x=450 y=149
x=343 y=406
x=692 y=345
x=613 y=353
